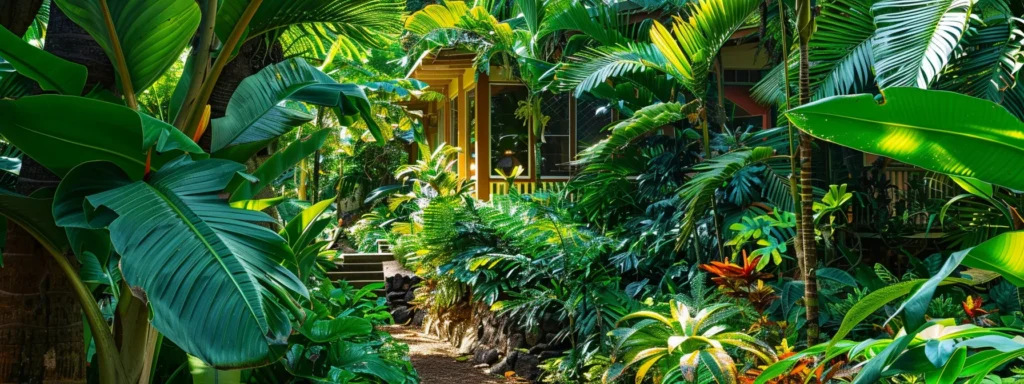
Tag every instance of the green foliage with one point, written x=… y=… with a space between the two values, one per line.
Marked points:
x=51 y=72
x=684 y=345
x=939 y=131
x=149 y=36
x=238 y=260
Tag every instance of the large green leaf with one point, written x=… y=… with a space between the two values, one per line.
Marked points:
x=329 y=330
x=61 y=132
x=245 y=189
x=254 y=116
x=940 y=131
x=211 y=275
x=1003 y=254
x=296 y=231
x=357 y=19
x=151 y=33
x=51 y=72
x=916 y=38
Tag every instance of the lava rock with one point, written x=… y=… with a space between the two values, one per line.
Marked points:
x=551 y=339
x=415 y=280
x=489 y=356
x=396 y=296
x=532 y=338
x=548 y=354
x=515 y=341
x=401 y=315
x=527 y=366
x=409 y=296
x=538 y=348
x=508 y=364
x=417 y=319
x=398 y=282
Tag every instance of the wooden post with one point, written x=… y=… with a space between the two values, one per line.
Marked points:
x=483 y=137
x=462 y=106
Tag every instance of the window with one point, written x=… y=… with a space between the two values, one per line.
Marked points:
x=591 y=118
x=510 y=139
x=741 y=119
x=555 y=152
x=471 y=126
x=454 y=108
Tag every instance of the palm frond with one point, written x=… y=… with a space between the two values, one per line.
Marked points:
x=916 y=38
x=694 y=43
x=841 y=49
x=698 y=193
x=624 y=132
x=591 y=68
x=599 y=23
x=992 y=53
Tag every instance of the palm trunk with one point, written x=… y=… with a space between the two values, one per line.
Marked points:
x=806 y=230
x=42 y=337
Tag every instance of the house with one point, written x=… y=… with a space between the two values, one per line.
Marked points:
x=478 y=116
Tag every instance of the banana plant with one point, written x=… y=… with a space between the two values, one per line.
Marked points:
x=206 y=274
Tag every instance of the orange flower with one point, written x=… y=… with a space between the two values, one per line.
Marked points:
x=975 y=314
x=727 y=270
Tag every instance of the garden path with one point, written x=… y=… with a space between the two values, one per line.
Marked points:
x=435 y=360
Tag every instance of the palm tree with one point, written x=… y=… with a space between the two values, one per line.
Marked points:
x=808 y=256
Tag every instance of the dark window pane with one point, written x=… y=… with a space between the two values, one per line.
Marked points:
x=510 y=140
x=557 y=108
x=471 y=126
x=454 y=140
x=591 y=118
x=555 y=156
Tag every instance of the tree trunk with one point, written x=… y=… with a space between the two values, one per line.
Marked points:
x=17 y=15
x=253 y=56
x=41 y=327
x=806 y=231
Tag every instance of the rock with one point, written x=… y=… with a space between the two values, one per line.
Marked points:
x=536 y=349
x=401 y=315
x=389 y=283
x=549 y=354
x=396 y=284
x=505 y=365
x=489 y=357
x=417 y=319
x=532 y=338
x=527 y=366
x=549 y=323
x=396 y=296
x=415 y=280
x=514 y=342
x=551 y=339
x=409 y=296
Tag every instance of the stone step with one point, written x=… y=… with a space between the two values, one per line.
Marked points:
x=360 y=267
x=362 y=283
x=356 y=275
x=366 y=257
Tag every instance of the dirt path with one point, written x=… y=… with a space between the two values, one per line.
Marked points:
x=435 y=360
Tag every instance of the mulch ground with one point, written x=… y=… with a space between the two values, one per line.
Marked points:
x=435 y=360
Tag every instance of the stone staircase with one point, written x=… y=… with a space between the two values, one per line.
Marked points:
x=362 y=269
